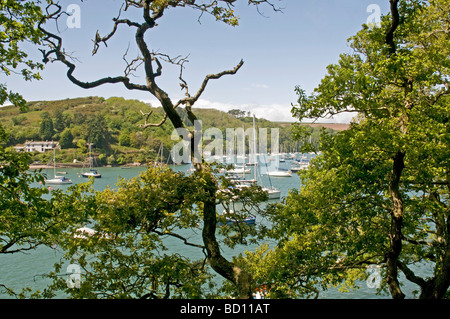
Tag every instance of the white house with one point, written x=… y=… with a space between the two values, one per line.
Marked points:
x=39 y=146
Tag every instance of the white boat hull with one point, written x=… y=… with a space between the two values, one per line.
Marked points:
x=58 y=181
x=272 y=193
x=239 y=171
x=91 y=175
x=279 y=174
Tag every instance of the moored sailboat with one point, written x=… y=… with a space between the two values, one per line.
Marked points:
x=92 y=171
x=57 y=180
x=279 y=173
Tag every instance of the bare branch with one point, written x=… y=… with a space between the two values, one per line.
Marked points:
x=189 y=101
x=133 y=65
x=259 y=2
x=146 y=124
x=183 y=83
x=98 y=39
x=159 y=69
x=178 y=60
x=146 y=58
x=55 y=44
x=211 y=7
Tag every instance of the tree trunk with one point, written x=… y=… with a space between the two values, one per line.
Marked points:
x=219 y=264
x=240 y=278
x=228 y=270
x=437 y=287
x=442 y=281
x=395 y=233
x=442 y=268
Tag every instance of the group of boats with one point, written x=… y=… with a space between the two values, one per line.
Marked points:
x=236 y=175
x=60 y=179
x=239 y=180
x=242 y=170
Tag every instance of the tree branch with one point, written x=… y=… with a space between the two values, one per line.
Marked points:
x=133 y=65
x=55 y=43
x=409 y=274
x=98 y=39
x=146 y=124
x=185 y=241
x=193 y=99
x=393 y=27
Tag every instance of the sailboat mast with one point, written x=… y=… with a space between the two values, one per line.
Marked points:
x=255 y=161
x=90 y=156
x=243 y=151
x=54 y=162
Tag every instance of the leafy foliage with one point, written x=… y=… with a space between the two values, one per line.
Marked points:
x=28 y=218
x=127 y=257
x=345 y=215
x=18 y=24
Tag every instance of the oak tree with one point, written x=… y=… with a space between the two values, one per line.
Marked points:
x=379 y=192
x=150 y=62
x=18 y=24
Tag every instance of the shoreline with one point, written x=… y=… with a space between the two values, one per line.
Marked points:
x=78 y=165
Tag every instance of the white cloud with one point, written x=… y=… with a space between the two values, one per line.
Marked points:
x=260 y=86
x=271 y=112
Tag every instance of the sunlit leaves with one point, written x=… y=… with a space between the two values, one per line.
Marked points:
x=157 y=198
x=127 y=256
x=18 y=24
x=342 y=210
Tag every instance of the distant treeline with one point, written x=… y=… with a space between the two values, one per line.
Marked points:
x=112 y=125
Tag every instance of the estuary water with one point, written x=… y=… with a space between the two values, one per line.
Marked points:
x=26 y=269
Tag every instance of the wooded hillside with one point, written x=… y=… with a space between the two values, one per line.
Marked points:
x=112 y=125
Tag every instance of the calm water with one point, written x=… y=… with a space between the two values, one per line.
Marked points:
x=25 y=269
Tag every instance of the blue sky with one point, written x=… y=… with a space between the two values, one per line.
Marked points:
x=280 y=51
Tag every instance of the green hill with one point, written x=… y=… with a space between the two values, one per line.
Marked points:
x=112 y=125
